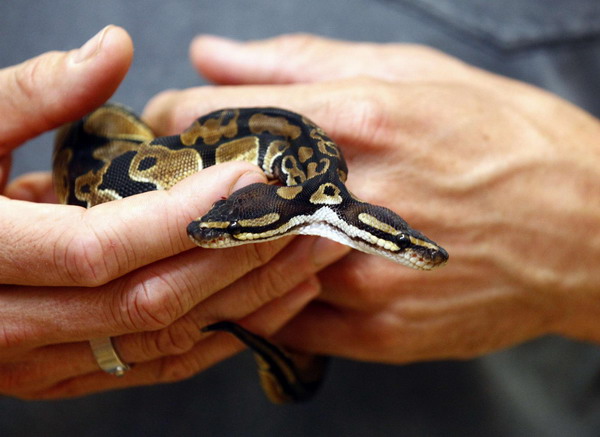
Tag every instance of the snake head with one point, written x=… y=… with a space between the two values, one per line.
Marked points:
x=377 y=230
x=244 y=217
x=216 y=228
x=258 y=213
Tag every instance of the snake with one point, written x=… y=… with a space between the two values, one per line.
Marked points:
x=111 y=154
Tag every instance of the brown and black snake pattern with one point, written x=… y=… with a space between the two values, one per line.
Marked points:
x=111 y=154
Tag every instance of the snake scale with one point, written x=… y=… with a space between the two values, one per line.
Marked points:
x=111 y=154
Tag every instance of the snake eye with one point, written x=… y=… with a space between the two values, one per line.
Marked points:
x=402 y=241
x=234 y=226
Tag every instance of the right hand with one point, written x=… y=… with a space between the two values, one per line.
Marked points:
x=123 y=269
x=504 y=175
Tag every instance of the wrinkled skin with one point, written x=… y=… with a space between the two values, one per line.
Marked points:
x=124 y=269
x=498 y=172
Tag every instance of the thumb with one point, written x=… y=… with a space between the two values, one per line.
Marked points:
x=56 y=87
x=280 y=60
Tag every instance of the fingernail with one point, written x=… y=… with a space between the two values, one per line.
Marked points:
x=91 y=47
x=325 y=251
x=250 y=177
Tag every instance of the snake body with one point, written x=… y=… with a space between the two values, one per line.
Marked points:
x=111 y=154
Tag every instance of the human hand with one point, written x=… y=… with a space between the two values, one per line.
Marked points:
x=498 y=172
x=122 y=269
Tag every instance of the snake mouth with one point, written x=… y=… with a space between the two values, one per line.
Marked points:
x=414 y=256
x=419 y=254
x=230 y=235
x=210 y=238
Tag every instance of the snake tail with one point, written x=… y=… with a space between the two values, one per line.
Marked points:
x=285 y=376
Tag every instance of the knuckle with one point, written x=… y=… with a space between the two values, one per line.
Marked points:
x=379 y=334
x=84 y=260
x=177 y=368
x=266 y=284
x=160 y=110
x=369 y=99
x=27 y=81
x=370 y=113
x=184 y=110
x=151 y=302
x=176 y=339
x=180 y=108
x=26 y=77
x=257 y=254
x=361 y=284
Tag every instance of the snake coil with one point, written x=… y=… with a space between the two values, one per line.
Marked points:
x=111 y=154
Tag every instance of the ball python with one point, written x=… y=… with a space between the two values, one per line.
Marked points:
x=111 y=154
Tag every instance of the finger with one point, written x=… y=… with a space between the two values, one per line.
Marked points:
x=454 y=326
x=350 y=283
x=150 y=299
x=360 y=103
x=306 y=58
x=32 y=187
x=322 y=329
x=303 y=58
x=56 y=87
x=44 y=367
x=290 y=267
x=273 y=315
x=326 y=330
x=358 y=114
x=212 y=349
x=267 y=288
x=46 y=244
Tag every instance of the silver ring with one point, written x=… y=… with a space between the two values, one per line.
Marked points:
x=107 y=357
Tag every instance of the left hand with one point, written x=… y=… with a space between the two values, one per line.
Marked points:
x=475 y=160
x=123 y=269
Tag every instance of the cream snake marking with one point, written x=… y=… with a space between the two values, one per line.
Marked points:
x=111 y=154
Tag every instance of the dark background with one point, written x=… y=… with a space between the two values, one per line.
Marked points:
x=549 y=387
